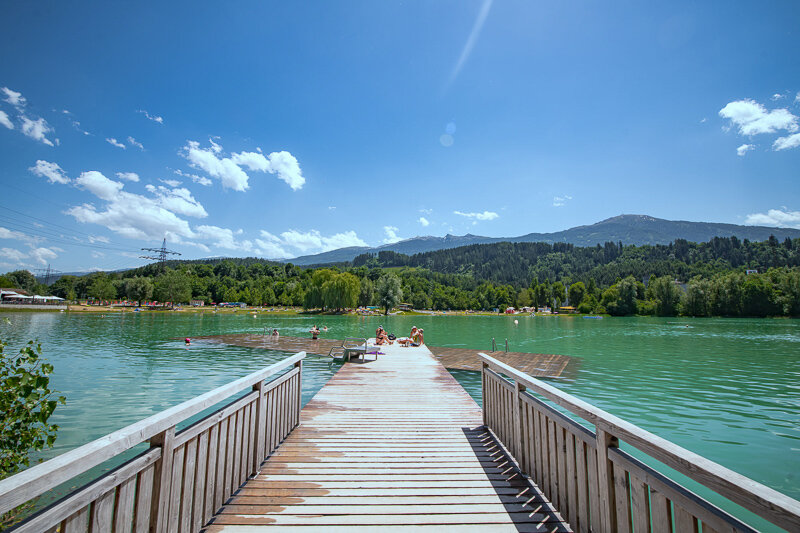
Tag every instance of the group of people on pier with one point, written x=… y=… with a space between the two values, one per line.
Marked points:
x=416 y=338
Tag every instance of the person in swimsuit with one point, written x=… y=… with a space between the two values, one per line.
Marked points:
x=407 y=341
x=314 y=332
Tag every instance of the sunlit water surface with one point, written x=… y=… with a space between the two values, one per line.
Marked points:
x=727 y=389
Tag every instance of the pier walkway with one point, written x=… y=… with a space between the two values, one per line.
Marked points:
x=391 y=442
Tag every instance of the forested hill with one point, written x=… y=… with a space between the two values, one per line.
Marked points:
x=628 y=229
x=519 y=263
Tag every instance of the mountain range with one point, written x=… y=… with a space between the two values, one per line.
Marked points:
x=629 y=229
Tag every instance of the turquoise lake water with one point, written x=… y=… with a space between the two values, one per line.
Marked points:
x=727 y=389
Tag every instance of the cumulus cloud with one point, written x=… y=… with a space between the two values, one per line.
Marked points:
x=9 y=234
x=229 y=169
x=5 y=121
x=424 y=221
x=134 y=142
x=559 y=201
x=223 y=238
x=780 y=218
x=13 y=97
x=178 y=201
x=205 y=159
x=128 y=176
x=171 y=183
x=51 y=171
x=784 y=143
x=36 y=129
x=13 y=254
x=753 y=118
x=743 y=149
x=282 y=163
x=486 y=215
x=114 y=142
x=391 y=235
x=99 y=185
x=40 y=255
x=154 y=118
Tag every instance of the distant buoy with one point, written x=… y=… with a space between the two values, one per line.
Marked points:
x=516 y=321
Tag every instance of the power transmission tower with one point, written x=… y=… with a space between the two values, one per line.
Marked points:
x=162 y=254
x=47 y=274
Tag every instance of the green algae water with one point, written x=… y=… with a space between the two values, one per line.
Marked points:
x=727 y=389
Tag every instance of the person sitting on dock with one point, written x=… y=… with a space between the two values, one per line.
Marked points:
x=381 y=337
x=408 y=340
x=314 y=332
x=418 y=339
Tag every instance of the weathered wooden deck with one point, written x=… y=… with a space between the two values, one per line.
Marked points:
x=394 y=443
x=534 y=364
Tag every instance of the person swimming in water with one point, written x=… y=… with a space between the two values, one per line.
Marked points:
x=314 y=332
x=188 y=341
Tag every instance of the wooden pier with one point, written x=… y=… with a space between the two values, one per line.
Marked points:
x=392 y=442
x=534 y=364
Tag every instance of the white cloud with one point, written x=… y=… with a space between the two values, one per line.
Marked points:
x=51 y=171
x=424 y=221
x=559 y=201
x=797 y=98
x=753 y=118
x=781 y=218
x=784 y=143
x=331 y=207
x=743 y=149
x=282 y=163
x=13 y=97
x=36 y=129
x=13 y=254
x=171 y=183
x=154 y=118
x=78 y=127
x=9 y=234
x=228 y=172
x=776 y=96
x=99 y=185
x=42 y=255
x=223 y=238
x=292 y=243
x=179 y=201
x=5 y=121
x=128 y=176
x=98 y=238
x=391 y=235
x=486 y=215
x=201 y=180
x=134 y=142
x=113 y=141
x=426 y=211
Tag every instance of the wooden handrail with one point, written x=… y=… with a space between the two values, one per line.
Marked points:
x=760 y=499
x=38 y=479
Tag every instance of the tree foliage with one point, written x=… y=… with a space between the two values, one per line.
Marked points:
x=389 y=291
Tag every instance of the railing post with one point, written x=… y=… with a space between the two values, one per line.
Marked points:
x=605 y=480
x=299 y=404
x=518 y=452
x=259 y=454
x=162 y=480
x=484 y=366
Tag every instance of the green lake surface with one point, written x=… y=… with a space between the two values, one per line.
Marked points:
x=727 y=389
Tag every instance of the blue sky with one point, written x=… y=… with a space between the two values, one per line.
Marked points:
x=278 y=129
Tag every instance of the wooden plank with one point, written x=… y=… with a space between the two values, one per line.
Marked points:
x=102 y=515
x=605 y=481
x=570 y=511
x=77 y=523
x=640 y=505
x=144 y=500
x=201 y=482
x=187 y=493
x=176 y=489
x=661 y=515
x=562 y=502
x=552 y=452
x=230 y=465
x=684 y=521
x=260 y=430
x=622 y=499
x=220 y=461
x=124 y=505
x=582 y=483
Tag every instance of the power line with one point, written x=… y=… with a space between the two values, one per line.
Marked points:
x=47 y=274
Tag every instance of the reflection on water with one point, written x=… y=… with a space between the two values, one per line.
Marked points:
x=727 y=389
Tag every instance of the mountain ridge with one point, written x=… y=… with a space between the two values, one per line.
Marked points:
x=627 y=228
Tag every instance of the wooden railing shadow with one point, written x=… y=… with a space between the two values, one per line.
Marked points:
x=596 y=486
x=185 y=476
x=527 y=507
